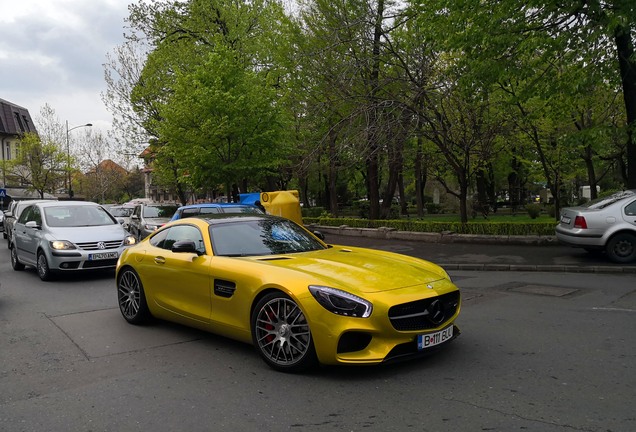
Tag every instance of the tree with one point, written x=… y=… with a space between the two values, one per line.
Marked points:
x=39 y=165
x=182 y=40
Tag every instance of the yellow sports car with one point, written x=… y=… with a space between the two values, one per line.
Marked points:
x=267 y=281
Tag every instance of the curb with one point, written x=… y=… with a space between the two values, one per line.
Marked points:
x=444 y=237
x=539 y=268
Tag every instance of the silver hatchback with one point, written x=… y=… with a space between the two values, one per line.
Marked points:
x=606 y=224
x=59 y=236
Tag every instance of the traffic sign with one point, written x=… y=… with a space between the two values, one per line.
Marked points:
x=3 y=193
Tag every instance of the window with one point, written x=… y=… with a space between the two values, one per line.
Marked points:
x=19 y=121
x=157 y=239
x=189 y=212
x=25 y=216
x=31 y=213
x=184 y=233
x=630 y=209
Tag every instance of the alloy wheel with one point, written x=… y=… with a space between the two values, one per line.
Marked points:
x=282 y=333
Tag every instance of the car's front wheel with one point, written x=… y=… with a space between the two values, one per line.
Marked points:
x=15 y=262
x=622 y=248
x=43 y=267
x=281 y=334
x=131 y=297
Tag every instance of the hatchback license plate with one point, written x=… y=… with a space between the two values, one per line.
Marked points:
x=101 y=256
x=428 y=340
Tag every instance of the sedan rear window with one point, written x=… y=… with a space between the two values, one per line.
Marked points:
x=601 y=203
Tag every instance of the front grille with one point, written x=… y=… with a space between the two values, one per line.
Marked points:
x=100 y=263
x=109 y=244
x=424 y=314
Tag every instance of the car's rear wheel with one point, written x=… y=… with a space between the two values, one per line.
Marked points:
x=622 y=248
x=43 y=267
x=15 y=262
x=131 y=297
x=281 y=334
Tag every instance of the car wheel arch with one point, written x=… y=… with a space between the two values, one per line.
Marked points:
x=265 y=291
x=613 y=236
x=307 y=356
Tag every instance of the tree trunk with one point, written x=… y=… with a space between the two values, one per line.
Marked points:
x=627 y=64
x=420 y=178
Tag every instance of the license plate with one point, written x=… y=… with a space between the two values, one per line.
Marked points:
x=101 y=256
x=428 y=340
x=565 y=220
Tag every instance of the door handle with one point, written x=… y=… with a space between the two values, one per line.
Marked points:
x=160 y=260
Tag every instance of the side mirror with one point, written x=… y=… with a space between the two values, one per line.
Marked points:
x=184 y=246
x=320 y=235
x=135 y=217
x=32 y=224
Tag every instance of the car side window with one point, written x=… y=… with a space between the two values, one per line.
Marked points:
x=209 y=210
x=36 y=215
x=158 y=239
x=24 y=216
x=184 y=232
x=630 y=209
x=189 y=212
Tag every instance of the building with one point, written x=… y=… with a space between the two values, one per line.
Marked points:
x=14 y=122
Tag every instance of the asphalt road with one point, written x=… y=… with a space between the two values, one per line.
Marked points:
x=480 y=256
x=538 y=352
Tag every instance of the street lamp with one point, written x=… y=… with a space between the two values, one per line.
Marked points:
x=68 y=155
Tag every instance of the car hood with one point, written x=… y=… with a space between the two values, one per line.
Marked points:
x=156 y=221
x=359 y=269
x=88 y=233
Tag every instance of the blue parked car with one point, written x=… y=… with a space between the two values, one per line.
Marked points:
x=211 y=208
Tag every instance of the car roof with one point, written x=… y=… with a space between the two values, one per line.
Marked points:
x=67 y=203
x=158 y=204
x=215 y=205
x=223 y=218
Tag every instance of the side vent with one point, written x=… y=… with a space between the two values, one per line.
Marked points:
x=224 y=288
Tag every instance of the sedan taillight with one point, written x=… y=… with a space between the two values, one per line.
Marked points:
x=579 y=222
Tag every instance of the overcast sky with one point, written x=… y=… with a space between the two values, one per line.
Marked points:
x=52 y=52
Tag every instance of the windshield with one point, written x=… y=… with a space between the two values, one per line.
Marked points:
x=77 y=216
x=601 y=203
x=159 y=211
x=121 y=211
x=261 y=237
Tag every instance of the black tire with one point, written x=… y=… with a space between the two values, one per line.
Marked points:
x=15 y=262
x=281 y=334
x=131 y=297
x=622 y=248
x=42 y=267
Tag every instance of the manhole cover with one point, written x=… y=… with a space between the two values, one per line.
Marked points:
x=544 y=290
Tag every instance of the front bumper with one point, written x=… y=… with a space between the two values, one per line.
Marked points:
x=377 y=339
x=78 y=259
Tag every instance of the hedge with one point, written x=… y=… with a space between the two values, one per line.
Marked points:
x=482 y=228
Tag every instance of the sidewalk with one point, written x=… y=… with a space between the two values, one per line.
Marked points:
x=485 y=253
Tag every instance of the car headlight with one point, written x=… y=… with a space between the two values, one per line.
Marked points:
x=130 y=240
x=61 y=245
x=341 y=302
